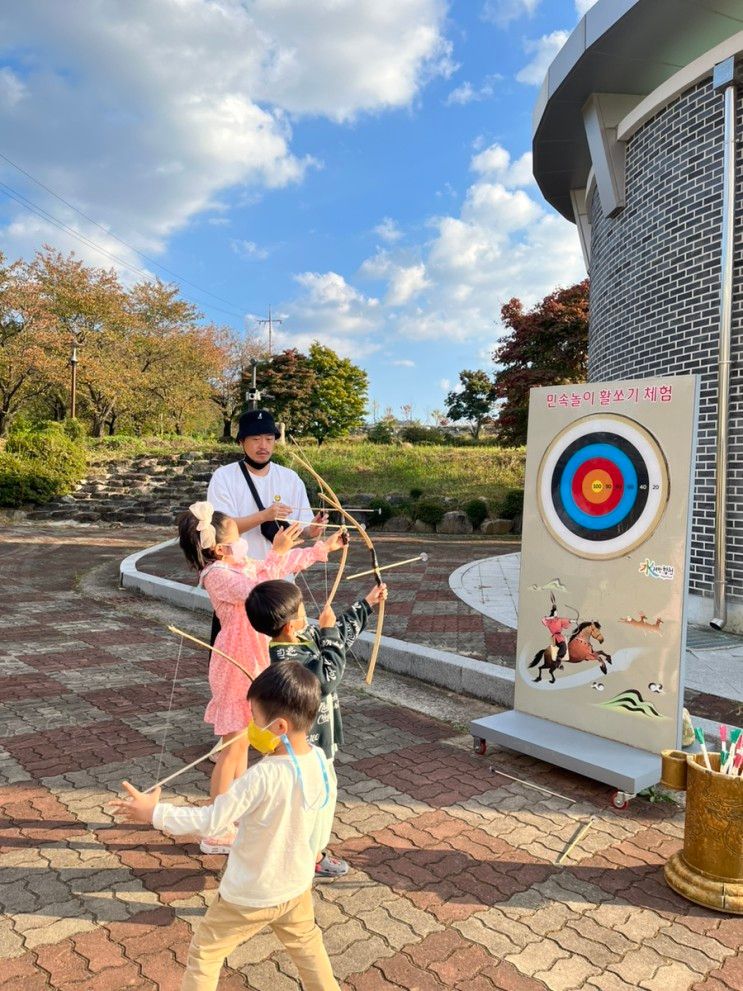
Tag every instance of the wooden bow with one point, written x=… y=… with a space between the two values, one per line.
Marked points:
x=328 y=496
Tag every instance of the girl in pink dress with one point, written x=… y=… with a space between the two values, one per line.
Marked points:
x=213 y=546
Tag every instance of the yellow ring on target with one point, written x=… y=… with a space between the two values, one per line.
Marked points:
x=597 y=486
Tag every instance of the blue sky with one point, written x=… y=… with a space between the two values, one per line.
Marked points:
x=362 y=165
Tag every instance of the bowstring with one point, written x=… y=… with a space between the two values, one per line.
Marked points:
x=349 y=649
x=170 y=709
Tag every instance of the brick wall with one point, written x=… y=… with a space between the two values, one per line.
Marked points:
x=654 y=310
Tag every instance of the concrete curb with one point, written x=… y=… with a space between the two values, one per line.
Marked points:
x=463 y=675
x=185 y=596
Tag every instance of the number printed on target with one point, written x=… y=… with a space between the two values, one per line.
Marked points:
x=602 y=486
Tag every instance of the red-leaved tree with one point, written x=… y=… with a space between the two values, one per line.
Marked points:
x=546 y=345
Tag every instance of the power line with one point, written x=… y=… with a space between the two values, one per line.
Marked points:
x=40 y=211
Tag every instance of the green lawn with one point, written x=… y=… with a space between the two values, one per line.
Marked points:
x=461 y=472
x=353 y=466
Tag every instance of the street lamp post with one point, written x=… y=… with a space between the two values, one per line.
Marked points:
x=73 y=379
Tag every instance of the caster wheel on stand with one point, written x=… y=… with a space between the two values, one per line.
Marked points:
x=620 y=800
x=480 y=746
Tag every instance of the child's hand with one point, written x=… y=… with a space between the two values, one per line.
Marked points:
x=326 y=618
x=377 y=594
x=139 y=806
x=287 y=538
x=338 y=540
x=317 y=527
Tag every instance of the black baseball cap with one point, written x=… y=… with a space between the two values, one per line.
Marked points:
x=256 y=422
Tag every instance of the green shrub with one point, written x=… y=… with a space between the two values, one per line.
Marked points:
x=477 y=511
x=379 y=519
x=40 y=465
x=512 y=504
x=382 y=432
x=416 y=433
x=74 y=430
x=25 y=481
x=416 y=494
x=52 y=447
x=429 y=511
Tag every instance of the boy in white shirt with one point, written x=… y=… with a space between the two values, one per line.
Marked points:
x=284 y=806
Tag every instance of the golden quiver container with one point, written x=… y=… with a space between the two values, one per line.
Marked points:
x=709 y=869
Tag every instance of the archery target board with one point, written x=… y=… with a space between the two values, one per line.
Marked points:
x=605 y=558
x=602 y=486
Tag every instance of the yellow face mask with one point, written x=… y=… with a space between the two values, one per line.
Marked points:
x=262 y=739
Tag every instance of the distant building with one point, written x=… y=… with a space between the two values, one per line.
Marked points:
x=628 y=144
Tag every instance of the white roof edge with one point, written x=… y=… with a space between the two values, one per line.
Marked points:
x=684 y=79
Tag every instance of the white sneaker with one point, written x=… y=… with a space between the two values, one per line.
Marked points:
x=217 y=844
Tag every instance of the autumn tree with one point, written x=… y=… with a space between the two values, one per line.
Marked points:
x=338 y=396
x=473 y=401
x=88 y=306
x=28 y=342
x=546 y=345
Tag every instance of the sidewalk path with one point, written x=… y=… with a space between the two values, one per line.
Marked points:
x=455 y=881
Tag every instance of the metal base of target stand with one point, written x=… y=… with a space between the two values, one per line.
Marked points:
x=626 y=769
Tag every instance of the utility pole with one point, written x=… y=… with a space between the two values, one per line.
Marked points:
x=270 y=322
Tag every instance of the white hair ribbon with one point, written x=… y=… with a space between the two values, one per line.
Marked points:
x=203 y=511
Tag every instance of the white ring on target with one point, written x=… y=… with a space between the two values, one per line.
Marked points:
x=655 y=464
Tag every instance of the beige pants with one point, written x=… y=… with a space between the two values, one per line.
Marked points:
x=225 y=926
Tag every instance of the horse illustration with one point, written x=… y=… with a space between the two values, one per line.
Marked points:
x=578 y=648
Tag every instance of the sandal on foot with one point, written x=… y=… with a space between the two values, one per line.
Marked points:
x=330 y=866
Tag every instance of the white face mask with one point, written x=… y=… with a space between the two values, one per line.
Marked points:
x=239 y=549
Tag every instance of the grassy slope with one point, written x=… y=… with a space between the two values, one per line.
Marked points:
x=461 y=472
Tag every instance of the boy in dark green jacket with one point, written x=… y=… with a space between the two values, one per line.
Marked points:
x=276 y=609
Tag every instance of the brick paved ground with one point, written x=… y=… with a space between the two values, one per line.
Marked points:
x=455 y=882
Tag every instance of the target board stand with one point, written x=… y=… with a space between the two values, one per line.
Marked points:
x=604 y=574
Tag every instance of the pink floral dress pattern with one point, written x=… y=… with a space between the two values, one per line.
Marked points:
x=228 y=587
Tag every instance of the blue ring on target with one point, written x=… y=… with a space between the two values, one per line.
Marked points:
x=629 y=495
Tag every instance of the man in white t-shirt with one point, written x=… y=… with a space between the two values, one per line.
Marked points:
x=280 y=491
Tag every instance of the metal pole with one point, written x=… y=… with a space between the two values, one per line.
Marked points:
x=724 y=79
x=73 y=382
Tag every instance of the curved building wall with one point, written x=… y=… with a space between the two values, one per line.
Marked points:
x=654 y=308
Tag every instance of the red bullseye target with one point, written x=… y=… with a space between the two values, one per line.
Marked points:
x=603 y=486
x=597 y=486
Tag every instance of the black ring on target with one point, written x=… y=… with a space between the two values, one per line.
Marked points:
x=634 y=487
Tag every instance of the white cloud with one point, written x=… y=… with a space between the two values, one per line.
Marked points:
x=331 y=310
x=12 y=89
x=467 y=93
x=404 y=282
x=404 y=363
x=445 y=385
x=581 y=6
x=502 y=243
x=153 y=110
x=502 y=12
x=495 y=163
x=388 y=230
x=543 y=51
x=248 y=250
